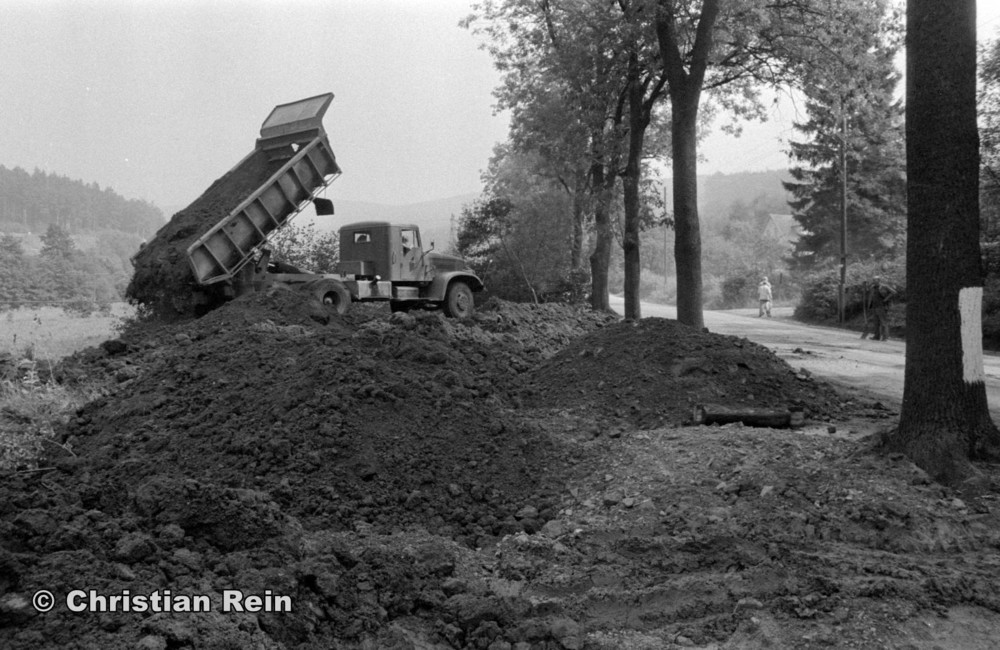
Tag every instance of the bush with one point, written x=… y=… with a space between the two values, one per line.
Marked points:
x=819 y=299
x=738 y=291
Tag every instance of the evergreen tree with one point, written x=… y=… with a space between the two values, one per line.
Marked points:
x=853 y=120
x=989 y=134
x=56 y=242
x=13 y=289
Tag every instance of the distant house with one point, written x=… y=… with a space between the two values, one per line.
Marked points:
x=782 y=227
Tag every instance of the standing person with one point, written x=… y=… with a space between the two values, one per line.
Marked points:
x=764 y=296
x=880 y=296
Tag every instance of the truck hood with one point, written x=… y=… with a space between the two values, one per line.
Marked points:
x=445 y=262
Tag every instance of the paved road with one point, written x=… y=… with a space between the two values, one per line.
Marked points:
x=839 y=356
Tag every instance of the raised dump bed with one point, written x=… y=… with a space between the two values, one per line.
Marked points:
x=190 y=258
x=296 y=129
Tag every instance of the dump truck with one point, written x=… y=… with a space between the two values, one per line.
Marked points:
x=378 y=261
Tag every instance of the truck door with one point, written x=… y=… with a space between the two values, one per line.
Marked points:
x=410 y=262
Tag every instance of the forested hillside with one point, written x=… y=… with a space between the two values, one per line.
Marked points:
x=65 y=242
x=718 y=193
x=31 y=202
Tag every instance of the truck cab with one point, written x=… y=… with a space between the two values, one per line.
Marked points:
x=389 y=261
x=391 y=251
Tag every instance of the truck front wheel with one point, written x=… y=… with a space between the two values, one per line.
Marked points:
x=458 y=301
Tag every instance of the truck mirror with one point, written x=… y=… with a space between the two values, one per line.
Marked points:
x=324 y=207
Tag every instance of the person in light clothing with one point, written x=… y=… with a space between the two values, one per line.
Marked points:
x=764 y=295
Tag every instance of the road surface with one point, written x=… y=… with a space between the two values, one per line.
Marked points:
x=838 y=356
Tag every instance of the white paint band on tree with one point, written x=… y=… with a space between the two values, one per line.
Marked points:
x=970 y=301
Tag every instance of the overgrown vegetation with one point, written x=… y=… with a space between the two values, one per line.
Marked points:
x=820 y=289
x=519 y=237
x=30 y=410
x=59 y=275
x=306 y=248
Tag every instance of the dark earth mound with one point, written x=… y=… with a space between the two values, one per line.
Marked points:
x=655 y=371
x=410 y=481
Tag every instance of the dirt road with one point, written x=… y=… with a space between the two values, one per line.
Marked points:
x=838 y=356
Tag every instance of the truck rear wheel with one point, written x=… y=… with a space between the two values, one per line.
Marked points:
x=331 y=293
x=458 y=301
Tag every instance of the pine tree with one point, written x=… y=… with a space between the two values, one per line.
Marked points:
x=56 y=242
x=853 y=119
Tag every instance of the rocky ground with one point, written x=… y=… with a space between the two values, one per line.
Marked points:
x=529 y=479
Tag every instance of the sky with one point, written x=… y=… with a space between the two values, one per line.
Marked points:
x=158 y=98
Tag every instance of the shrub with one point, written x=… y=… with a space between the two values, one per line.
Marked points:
x=819 y=299
x=29 y=410
x=737 y=291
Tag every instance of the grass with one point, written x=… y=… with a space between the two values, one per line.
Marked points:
x=31 y=410
x=51 y=333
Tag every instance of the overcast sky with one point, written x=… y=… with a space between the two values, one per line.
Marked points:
x=158 y=98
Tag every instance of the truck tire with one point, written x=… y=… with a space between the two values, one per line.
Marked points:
x=458 y=301
x=331 y=293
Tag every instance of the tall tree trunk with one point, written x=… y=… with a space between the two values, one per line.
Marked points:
x=686 y=74
x=630 y=190
x=944 y=422
x=600 y=259
x=687 y=231
x=579 y=220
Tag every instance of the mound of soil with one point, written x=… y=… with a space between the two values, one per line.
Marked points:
x=271 y=420
x=655 y=371
x=162 y=279
x=409 y=481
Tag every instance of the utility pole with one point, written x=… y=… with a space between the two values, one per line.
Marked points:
x=666 y=253
x=841 y=298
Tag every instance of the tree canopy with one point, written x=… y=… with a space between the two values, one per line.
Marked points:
x=584 y=80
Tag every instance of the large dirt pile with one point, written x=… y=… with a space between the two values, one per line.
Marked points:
x=407 y=481
x=655 y=371
x=253 y=446
x=390 y=420
x=162 y=277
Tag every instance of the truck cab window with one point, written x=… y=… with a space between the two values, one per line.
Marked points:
x=409 y=239
x=362 y=238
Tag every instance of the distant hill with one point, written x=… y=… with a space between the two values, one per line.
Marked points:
x=30 y=203
x=716 y=195
x=718 y=192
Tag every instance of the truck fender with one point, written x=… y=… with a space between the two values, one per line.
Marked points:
x=438 y=288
